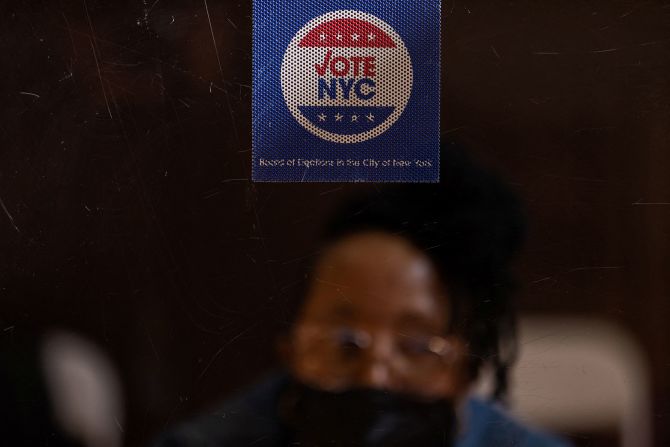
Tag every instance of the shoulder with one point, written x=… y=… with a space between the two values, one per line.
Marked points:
x=486 y=423
x=245 y=419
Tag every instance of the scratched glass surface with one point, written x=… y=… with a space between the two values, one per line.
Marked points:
x=130 y=231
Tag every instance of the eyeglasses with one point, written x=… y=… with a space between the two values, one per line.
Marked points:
x=335 y=356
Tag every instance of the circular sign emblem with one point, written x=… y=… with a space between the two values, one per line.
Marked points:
x=346 y=76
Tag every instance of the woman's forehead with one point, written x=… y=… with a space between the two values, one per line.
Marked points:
x=378 y=276
x=377 y=252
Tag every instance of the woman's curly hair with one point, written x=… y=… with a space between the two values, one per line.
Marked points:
x=471 y=225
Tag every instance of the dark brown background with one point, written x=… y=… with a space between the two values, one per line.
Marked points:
x=127 y=213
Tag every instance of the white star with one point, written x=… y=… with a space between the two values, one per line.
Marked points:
x=354 y=37
x=354 y=118
x=339 y=36
x=371 y=36
x=323 y=36
x=339 y=117
x=322 y=117
x=371 y=117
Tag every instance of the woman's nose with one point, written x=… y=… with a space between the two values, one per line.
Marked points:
x=375 y=371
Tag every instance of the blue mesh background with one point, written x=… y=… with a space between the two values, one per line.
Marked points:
x=305 y=139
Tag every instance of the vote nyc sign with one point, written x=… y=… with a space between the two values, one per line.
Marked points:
x=349 y=94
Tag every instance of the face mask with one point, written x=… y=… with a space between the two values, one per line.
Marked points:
x=365 y=418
